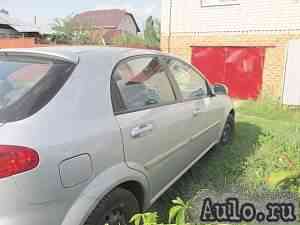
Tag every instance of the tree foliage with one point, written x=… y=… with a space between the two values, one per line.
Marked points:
x=66 y=31
x=152 y=32
x=150 y=39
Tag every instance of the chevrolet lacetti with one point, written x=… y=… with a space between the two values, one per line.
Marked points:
x=93 y=135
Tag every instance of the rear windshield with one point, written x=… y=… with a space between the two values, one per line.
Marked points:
x=27 y=84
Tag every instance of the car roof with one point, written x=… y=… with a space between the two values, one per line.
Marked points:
x=73 y=53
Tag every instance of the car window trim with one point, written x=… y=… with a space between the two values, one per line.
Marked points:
x=117 y=103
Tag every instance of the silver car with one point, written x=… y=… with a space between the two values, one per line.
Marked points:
x=93 y=135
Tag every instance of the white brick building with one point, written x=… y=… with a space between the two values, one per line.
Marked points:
x=210 y=16
x=265 y=24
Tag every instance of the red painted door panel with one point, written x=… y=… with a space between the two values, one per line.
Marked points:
x=240 y=68
x=210 y=61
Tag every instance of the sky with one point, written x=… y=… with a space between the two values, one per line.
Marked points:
x=47 y=10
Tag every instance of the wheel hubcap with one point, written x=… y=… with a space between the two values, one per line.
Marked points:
x=115 y=217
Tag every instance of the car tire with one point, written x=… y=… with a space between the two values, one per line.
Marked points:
x=117 y=208
x=228 y=131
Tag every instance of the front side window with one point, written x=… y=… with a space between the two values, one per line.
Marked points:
x=143 y=83
x=190 y=83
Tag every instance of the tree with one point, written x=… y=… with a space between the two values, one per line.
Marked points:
x=66 y=31
x=63 y=30
x=152 y=32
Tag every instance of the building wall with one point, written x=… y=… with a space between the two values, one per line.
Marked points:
x=266 y=23
x=255 y=15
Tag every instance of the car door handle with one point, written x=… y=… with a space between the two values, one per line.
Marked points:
x=141 y=130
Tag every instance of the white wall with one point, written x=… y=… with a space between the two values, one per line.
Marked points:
x=250 y=15
x=291 y=93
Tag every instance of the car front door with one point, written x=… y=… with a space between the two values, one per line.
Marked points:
x=155 y=130
x=205 y=109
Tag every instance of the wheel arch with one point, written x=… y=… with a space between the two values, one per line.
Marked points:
x=119 y=176
x=137 y=190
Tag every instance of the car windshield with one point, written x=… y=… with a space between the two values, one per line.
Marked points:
x=18 y=77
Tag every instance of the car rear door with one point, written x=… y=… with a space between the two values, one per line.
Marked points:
x=154 y=125
x=206 y=110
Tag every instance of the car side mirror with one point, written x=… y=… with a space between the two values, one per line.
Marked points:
x=220 y=89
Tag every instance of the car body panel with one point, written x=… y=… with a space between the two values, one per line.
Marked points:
x=207 y=119
x=51 y=54
x=162 y=149
x=76 y=170
x=97 y=189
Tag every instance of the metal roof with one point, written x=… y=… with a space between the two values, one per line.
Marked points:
x=104 y=18
x=18 y=25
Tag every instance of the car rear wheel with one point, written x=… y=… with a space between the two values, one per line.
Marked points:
x=116 y=208
x=228 y=131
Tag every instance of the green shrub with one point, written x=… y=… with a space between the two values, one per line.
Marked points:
x=129 y=40
x=177 y=214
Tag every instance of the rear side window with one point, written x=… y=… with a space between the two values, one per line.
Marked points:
x=142 y=83
x=27 y=84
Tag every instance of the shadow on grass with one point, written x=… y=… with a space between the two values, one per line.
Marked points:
x=220 y=166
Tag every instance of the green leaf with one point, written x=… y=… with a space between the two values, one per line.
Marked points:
x=277 y=178
x=180 y=218
x=136 y=219
x=150 y=218
x=173 y=212
x=178 y=201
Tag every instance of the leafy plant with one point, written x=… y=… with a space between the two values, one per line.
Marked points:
x=287 y=179
x=146 y=218
x=284 y=177
x=178 y=211
x=129 y=40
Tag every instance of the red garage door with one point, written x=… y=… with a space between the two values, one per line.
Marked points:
x=240 y=68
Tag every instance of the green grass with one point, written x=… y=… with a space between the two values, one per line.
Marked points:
x=270 y=109
x=267 y=139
